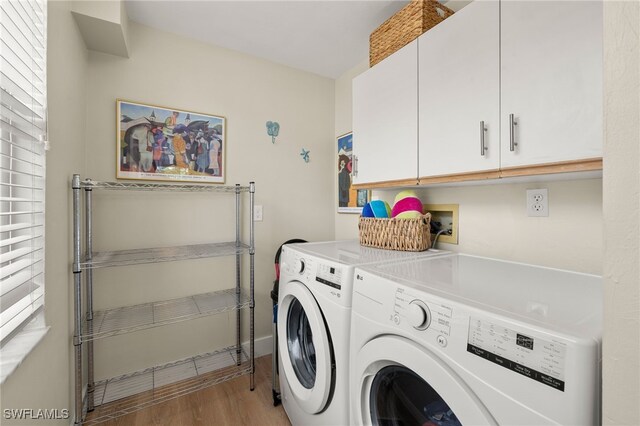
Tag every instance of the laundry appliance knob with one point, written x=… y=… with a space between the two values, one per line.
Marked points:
x=300 y=265
x=419 y=315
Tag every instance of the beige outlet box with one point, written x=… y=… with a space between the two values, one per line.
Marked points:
x=447 y=215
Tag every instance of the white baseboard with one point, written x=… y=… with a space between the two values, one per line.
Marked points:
x=262 y=346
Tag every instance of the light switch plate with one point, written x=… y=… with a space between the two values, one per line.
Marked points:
x=257 y=213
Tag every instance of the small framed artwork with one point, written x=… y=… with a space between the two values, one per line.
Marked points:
x=168 y=144
x=349 y=200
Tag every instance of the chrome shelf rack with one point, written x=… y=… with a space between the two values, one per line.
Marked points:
x=110 y=398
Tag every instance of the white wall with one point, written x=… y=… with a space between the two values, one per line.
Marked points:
x=621 y=357
x=44 y=379
x=173 y=71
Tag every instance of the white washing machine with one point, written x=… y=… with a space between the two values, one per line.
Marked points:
x=468 y=340
x=314 y=312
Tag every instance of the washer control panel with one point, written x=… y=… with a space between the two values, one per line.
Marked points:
x=299 y=266
x=332 y=280
x=329 y=275
x=323 y=276
x=539 y=358
x=413 y=310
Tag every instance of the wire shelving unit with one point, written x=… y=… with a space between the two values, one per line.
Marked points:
x=122 y=395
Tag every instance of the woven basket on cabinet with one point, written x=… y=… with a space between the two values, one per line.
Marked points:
x=396 y=234
x=404 y=27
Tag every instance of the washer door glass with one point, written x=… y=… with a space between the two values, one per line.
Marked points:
x=397 y=381
x=302 y=352
x=400 y=397
x=305 y=348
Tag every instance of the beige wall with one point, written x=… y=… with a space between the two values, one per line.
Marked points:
x=103 y=25
x=109 y=10
x=44 y=379
x=169 y=70
x=493 y=222
x=621 y=357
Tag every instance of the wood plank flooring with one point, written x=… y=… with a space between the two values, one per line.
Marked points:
x=228 y=403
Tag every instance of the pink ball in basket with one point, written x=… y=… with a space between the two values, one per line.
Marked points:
x=408 y=207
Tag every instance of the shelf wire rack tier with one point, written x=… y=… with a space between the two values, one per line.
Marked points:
x=131 y=186
x=162 y=254
x=132 y=392
x=127 y=319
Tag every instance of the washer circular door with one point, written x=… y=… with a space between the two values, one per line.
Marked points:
x=304 y=346
x=401 y=383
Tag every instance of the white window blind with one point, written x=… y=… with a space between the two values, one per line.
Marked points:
x=22 y=163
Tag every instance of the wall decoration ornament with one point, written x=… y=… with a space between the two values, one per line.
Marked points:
x=273 y=128
x=305 y=155
x=166 y=144
x=349 y=199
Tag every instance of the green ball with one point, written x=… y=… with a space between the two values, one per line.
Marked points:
x=409 y=214
x=404 y=194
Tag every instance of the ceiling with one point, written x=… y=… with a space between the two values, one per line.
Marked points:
x=325 y=37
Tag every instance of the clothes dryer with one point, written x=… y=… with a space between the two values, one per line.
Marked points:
x=314 y=313
x=461 y=339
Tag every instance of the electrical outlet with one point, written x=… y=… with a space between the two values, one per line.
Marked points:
x=447 y=215
x=537 y=202
x=257 y=213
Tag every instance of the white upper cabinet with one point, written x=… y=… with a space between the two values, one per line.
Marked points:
x=501 y=88
x=385 y=119
x=551 y=81
x=459 y=87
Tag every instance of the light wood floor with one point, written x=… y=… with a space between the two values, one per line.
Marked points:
x=228 y=403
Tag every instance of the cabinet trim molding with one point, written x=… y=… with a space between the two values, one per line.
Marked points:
x=386 y=184
x=585 y=165
x=460 y=177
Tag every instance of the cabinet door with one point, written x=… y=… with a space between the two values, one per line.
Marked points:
x=551 y=81
x=459 y=81
x=385 y=119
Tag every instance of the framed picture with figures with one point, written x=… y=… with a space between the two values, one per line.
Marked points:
x=349 y=200
x=169 y=144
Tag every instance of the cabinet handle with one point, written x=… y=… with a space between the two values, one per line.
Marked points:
x=512 y=130
x=483 y=148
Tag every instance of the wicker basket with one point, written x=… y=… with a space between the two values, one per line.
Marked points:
x=396 y=234
x=404 y=27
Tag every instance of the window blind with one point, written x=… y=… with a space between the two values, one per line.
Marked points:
x=22 y=162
